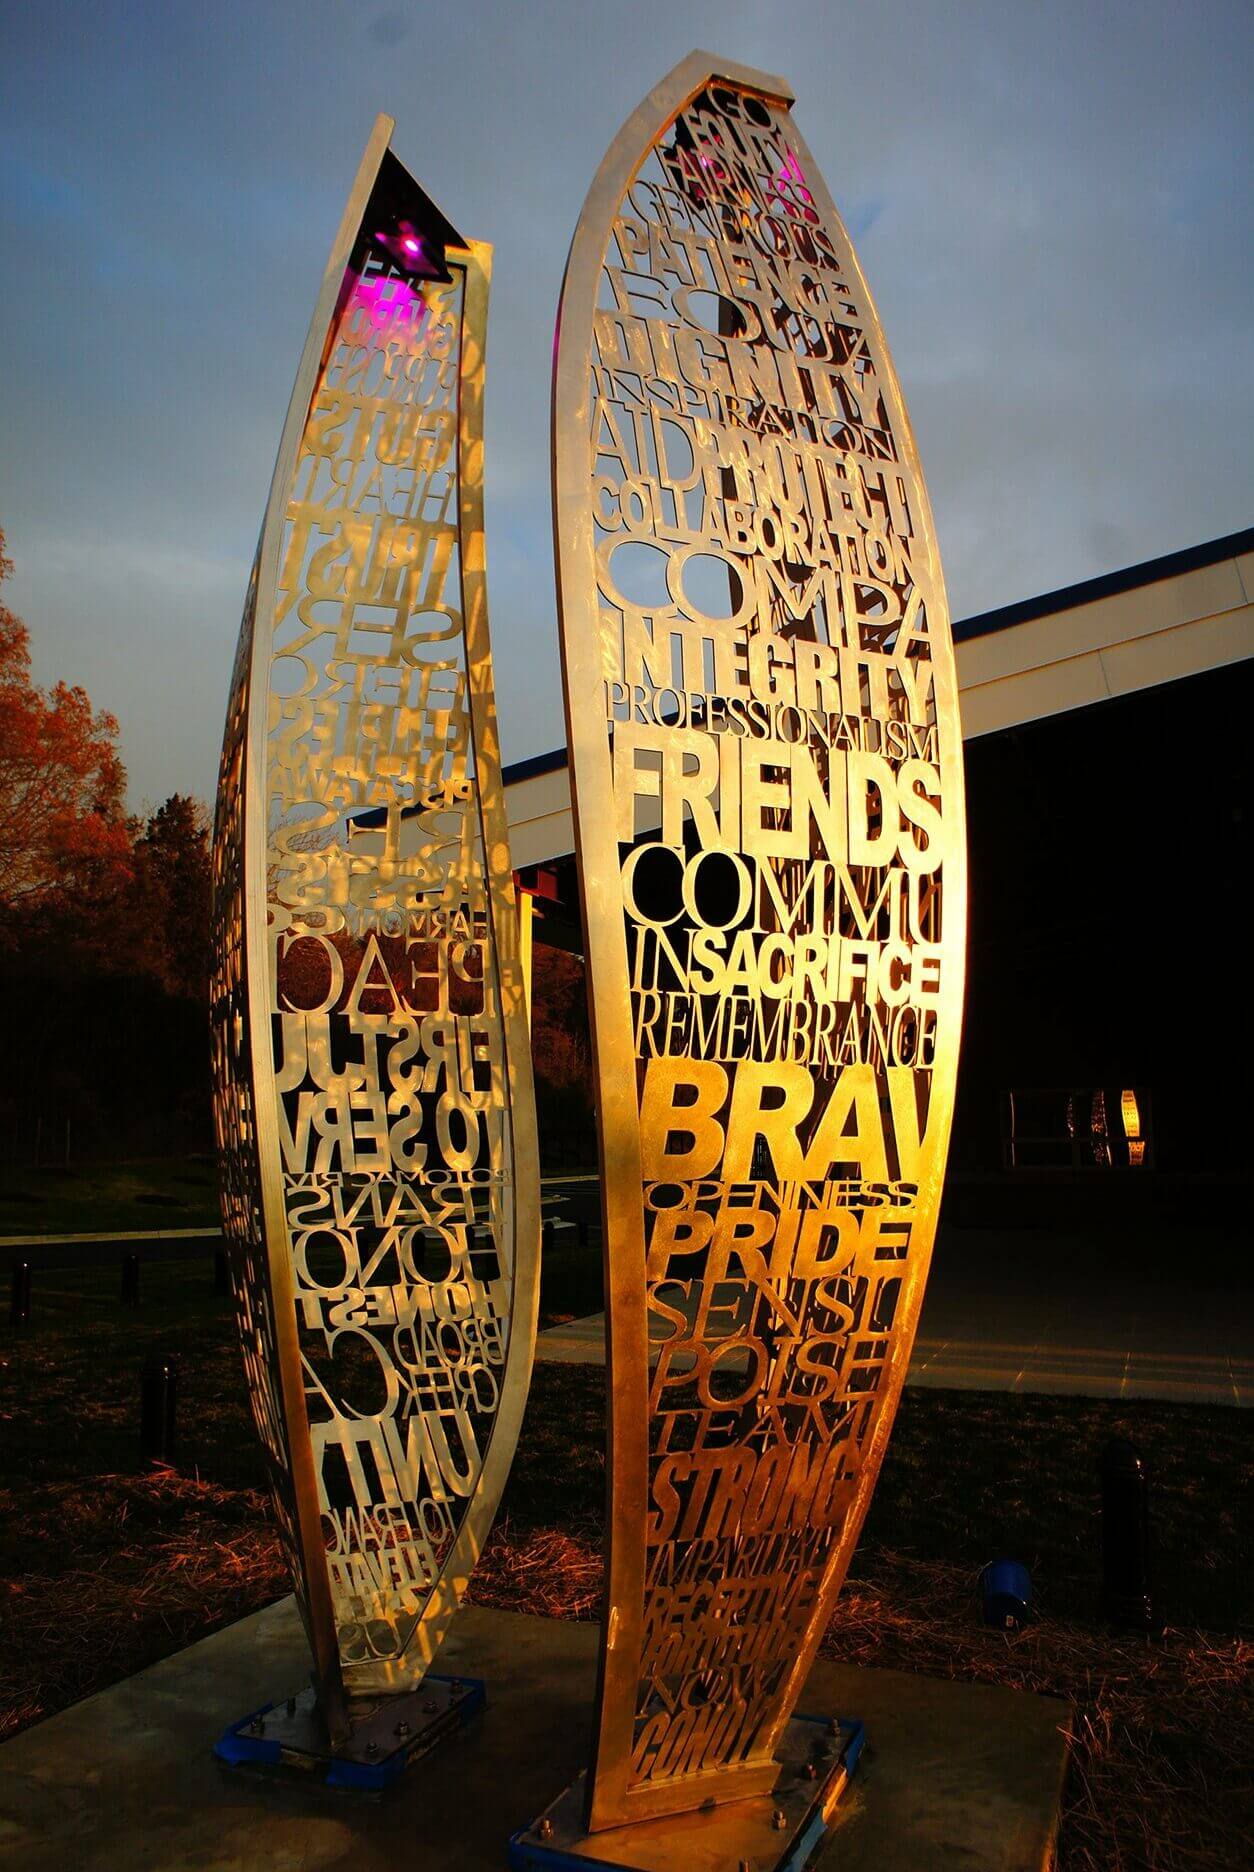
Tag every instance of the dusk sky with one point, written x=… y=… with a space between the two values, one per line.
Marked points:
x=1053 y=204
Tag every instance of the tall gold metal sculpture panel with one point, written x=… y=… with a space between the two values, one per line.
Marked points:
x=767 y=772
x=372 y=1068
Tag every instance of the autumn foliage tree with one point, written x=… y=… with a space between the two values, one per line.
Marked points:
x=169 y=896
x=63 y=827
x=104 y=932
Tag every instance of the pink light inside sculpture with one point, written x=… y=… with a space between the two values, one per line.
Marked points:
x=790 y=184
x=388 y=301
x=405 y=245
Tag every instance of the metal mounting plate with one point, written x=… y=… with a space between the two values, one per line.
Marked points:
x=776 y=1832
x=387 y=1734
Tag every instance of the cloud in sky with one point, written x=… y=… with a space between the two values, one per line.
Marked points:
x=1052 y=205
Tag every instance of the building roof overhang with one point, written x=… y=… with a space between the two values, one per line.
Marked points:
x=1156 y=622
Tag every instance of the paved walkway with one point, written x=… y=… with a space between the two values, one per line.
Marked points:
x=978 y=1365
x=1044 y=1310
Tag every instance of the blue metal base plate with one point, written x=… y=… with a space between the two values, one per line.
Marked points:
x=777 y=1832
x=388 y=1733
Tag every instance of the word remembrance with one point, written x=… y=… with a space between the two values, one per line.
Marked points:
x=373 y=1085
x=766 y=759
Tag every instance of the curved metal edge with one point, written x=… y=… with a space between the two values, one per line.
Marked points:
x=949 y=1023
x=618 y=1125
x=609 y=1800
x=319 y=1612
x=523 y=1160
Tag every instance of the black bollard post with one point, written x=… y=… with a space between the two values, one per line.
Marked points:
x=130 y=1280
x=1127 y=1596
x=221 y=1272
x=158 y=1409
x=19 y=1306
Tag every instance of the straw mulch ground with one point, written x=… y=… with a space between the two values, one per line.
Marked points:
x=104 y=1568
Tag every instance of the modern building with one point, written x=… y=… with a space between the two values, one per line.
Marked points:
x=1108 y=792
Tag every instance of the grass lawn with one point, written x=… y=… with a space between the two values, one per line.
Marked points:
x=104 y=1568
x=157 y=1193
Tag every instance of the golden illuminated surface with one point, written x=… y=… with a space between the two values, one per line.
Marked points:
x=372 y=1069
x=235 y=1115
x=767 y=771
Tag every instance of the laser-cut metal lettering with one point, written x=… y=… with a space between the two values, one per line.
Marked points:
x=372 y=1069
x=767 y=773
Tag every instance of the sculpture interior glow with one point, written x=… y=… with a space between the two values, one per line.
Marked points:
x=767 y=771
x=372 y=1071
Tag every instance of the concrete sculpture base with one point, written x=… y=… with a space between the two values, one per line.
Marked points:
x=962 y=1774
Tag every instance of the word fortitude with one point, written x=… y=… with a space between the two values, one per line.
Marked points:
x=767 y=772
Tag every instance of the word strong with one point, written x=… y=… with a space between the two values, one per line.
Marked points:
x=766 y=761
x=373 y=1090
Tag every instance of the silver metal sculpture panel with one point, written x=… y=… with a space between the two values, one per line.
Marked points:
x=766 y=764
x=372 y=1067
